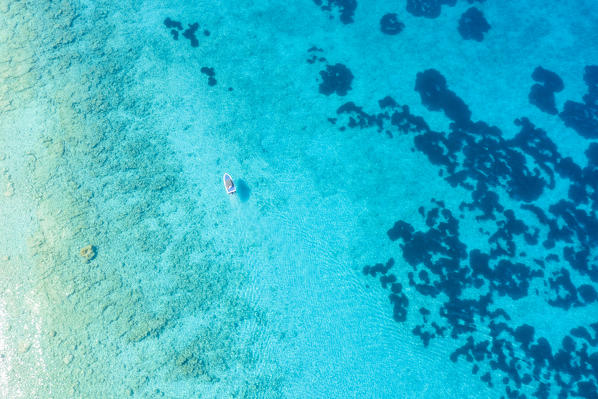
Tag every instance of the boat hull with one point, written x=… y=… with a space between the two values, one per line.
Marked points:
x=229 y=185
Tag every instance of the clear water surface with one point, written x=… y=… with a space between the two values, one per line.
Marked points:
x=415 y=213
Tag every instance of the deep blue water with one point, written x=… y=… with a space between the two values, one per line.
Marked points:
x=416 y=206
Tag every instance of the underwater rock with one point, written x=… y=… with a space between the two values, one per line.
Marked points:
x=211 y=75
x=346 y=8
x=390 y=25
x=549 y=79
x=592 y=154
x=583 y=117
x=189 y=33
x=315 y=57
x=146 y=328
x=10 y=190
x=378 y=268
x=401 y=230
x=336 y=79
x=169 y=23
x=88 y=252
x=543 y=98
x=542 y=93
x=24 y=346
x=473 y=25
x=435 y=95
x=68 y=291
x=394 y=116
x=192 y=364
x=427 y=8
x=580 y=118
x=68 y=359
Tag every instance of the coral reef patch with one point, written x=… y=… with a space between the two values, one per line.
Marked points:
x=190 y=33
x=175 y=27
x=472 y=279
x=337 y=79
x=473 y=25
x=314 y=56
x=344 y=8
x=88 y=253
x=583 y=116
x=542 y=93
x=427 y=8
x=211 y=74
x=390 y=24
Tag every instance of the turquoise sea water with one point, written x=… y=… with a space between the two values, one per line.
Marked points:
x=415 y=213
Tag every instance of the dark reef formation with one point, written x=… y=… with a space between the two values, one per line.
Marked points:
x=473 y=25
x=189 y=33
x=314 y=56
x=336 y=79
x=434 y=94
x=427 y=8
x=542 y=93
x=463 y=280
x=431 y=8
x=583 y=117
x=345 y=8
x=211 y=75
x=174 y=26
x=390 y=24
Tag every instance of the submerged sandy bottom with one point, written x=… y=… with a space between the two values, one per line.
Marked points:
x=155 y=309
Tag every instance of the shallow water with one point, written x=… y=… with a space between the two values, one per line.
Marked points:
x=372 y=250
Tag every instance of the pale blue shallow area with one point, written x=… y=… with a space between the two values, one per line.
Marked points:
x=317 y=197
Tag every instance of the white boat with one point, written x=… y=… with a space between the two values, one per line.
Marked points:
x=228 y=184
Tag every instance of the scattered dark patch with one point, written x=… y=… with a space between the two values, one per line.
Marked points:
x=549 y=79
x=388 y=281
x=583 y=117
x=169 y=23
x=175 y=25
x=315 y=57
x=390 y=24
x=189 y=33
x=435 y=95
x=543 y=98
x=542 y=93
x=345 y=8
x=211 y=75
x=378 y=268
x=427 y=8
x=336 y=79
x=473 y=25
